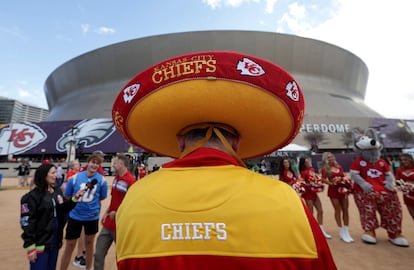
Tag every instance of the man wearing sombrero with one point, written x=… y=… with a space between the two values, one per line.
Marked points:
x=205 y=210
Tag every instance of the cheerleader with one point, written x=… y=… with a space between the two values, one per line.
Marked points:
x=313 y=185
x=338 y=189
x=405 y=181
x=287 y=175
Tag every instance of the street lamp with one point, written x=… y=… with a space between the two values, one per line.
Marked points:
x=43 y=154
x=71 y=140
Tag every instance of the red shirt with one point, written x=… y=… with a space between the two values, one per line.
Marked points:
x=288 y=177
x=142 y=172
x=70 y=174
x=120 y=186
x=374 y=174
x=405 y=174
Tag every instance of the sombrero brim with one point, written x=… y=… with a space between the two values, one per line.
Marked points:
x=265 y=118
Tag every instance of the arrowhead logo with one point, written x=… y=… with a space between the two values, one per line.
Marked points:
x=20 y=137
x=130 y=92
x=250 y=68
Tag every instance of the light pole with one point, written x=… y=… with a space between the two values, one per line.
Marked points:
x=71 y=140
x=43 y=154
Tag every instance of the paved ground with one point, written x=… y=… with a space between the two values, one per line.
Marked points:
x=355 y=256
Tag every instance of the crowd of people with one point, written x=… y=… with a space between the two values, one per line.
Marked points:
x=304 y=179
x=309 y=184
x=202 y=210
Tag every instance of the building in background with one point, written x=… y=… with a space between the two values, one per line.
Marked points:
x=333 y=79
x=13 y=111
x=81 y=91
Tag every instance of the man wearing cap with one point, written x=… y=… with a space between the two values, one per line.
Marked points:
x=205 y=210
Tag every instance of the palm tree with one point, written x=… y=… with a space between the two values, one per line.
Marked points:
x=347 y=139
x=315 y=139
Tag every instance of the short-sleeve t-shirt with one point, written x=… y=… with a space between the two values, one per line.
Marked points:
x=89 y=205
x=373 y=173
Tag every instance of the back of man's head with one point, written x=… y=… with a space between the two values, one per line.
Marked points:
x=199 y=133
x=124 y=160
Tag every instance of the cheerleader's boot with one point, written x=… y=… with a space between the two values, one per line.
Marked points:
x=344 y=234
x=325 y=234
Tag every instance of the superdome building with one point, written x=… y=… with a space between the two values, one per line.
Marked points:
x=333 y=79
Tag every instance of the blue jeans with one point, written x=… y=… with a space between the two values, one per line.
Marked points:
x=46 y=260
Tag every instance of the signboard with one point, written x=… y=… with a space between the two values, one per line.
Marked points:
x=86 y=136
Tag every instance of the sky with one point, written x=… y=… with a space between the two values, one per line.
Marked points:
x=36 y=37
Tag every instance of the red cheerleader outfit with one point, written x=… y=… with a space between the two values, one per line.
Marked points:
x=309 y=176
x=336 y=173
x=408 y=176
x=289 y=177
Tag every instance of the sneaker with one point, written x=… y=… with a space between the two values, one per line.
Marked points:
x=368 y=239
x=79 y=262
x=399 y=241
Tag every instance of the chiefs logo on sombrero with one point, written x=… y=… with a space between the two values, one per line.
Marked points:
x=130 y=92
x=211 y=66
x=250 y=68
x=221 y=87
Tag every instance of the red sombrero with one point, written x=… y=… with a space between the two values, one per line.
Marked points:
x=260 y=100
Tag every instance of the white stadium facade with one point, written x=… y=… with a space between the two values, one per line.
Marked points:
x=333 y=79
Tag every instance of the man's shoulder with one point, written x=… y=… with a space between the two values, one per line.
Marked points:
x=98 y=176
x=80 y=175
x=127 y=177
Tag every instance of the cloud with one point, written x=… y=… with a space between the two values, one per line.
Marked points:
x=104 y=30
x=270 y=5
x=23 y=93
x=14 y=32
x=33 y=97
x=294 y=18
x=85 y=28
x=213 y=4
x=380 y=39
